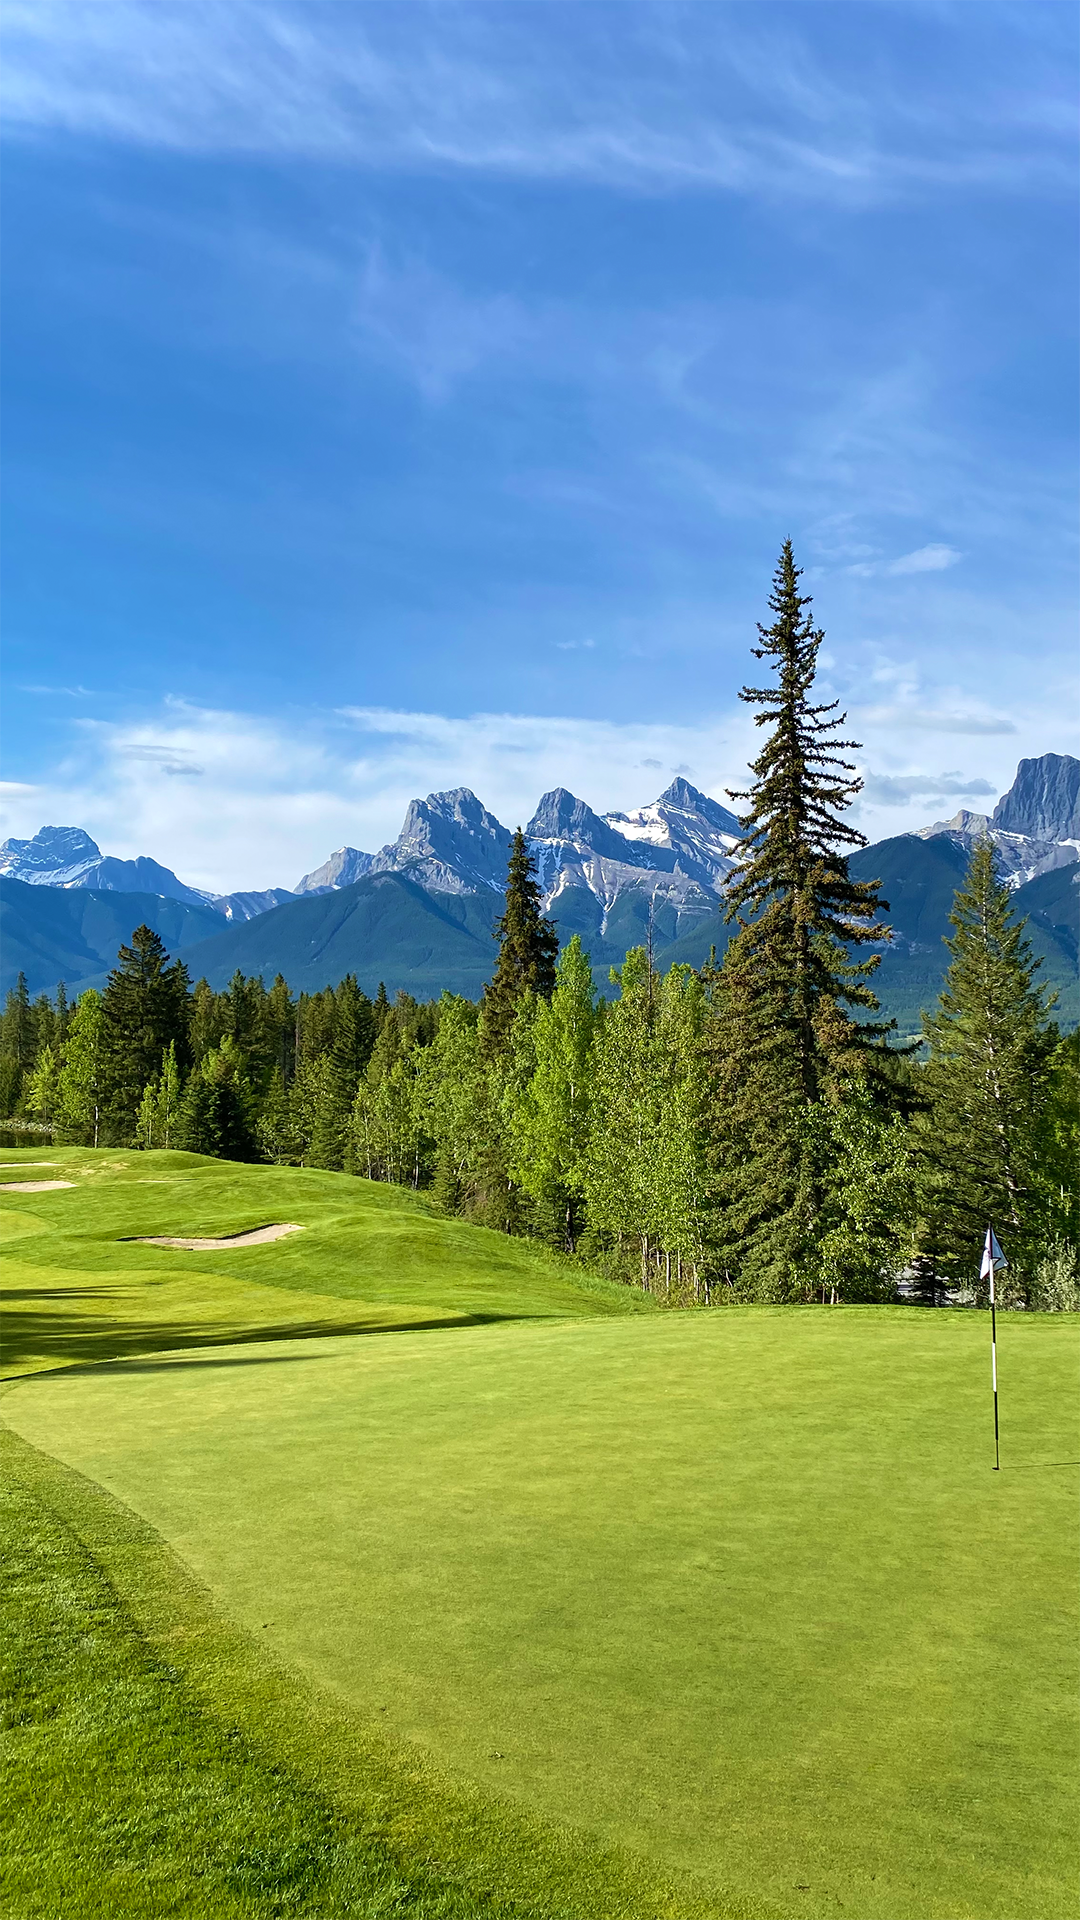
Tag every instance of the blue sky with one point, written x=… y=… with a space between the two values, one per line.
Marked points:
x=408 y=396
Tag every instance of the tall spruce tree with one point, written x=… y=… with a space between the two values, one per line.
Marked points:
x=989 y=1079
x=351 y=1044
x=528 y=946
x=784 y=1015
x=146 y=1008
x=17 y=1045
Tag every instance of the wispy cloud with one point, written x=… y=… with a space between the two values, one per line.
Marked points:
x=638 y=98
x=900 y=789
x=932 y=559
x=913 y=719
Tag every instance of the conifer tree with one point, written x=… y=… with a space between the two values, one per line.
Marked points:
x=353 y=1037
x=783 y=1031
x=988 y=1078
x=528 y=945
x=16 y=1045
x=146 y=1005
x=797 y=907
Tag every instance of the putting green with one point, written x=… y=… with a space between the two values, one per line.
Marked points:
x=737 y=1590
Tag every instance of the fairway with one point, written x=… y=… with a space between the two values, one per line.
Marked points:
x=736 y=1590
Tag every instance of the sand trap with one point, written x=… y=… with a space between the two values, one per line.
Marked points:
x=256 y=1238
x=33 y=1186
x=8 y=1166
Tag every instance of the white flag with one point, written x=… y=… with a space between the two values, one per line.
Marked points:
x=992 y=1256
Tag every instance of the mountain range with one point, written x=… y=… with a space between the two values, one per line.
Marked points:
x=419 y=913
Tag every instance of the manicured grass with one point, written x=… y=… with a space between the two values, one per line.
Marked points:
x=371 y=1258
x=737 y=1591
x=156 y=1763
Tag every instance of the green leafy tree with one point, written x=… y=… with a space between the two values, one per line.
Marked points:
x=43 y=1086
x=989 y=1078
x=549 y=1098
x=645 y=1181
x=158 y=1119
x=146 y=1007
x=528 y=945
x=82 y=1075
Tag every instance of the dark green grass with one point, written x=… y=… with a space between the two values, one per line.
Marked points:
x=121 y=1797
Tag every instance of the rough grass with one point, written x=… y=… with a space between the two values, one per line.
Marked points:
x=736 y=1591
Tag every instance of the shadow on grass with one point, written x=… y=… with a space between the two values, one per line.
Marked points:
x=71 y=1340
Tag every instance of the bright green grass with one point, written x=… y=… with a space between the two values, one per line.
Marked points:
x=370 y=1258
x=737 y=1591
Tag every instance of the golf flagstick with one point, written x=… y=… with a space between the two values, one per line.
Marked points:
x=993 y=1257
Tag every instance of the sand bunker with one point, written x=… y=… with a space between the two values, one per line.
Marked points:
x=33 y=1186
x=256 y=1238
x=8 y=1166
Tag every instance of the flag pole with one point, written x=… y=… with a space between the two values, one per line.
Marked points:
x=993 y=1258
x=993 y=1370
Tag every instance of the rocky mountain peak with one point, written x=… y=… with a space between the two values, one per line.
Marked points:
x=1044 y=800
x=52 y=849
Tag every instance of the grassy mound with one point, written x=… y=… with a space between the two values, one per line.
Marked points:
x=77 y=1285
x=736 y=1592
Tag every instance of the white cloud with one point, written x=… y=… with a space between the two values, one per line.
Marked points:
x=932 y=559
x=723 y=97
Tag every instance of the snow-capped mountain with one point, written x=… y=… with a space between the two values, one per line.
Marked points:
x=699 y=830
x=1035 y=827
x=670 y=859
x=67 y=857
x=676 y=851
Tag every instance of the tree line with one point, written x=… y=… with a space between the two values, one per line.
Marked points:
x=743 y=1131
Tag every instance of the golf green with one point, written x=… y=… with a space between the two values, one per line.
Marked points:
x=738 y=1590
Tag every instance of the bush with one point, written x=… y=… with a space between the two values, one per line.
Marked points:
x=1056 y=1284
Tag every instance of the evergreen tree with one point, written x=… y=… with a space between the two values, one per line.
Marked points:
x=988 y=1078
x=528 y=945
x=783 y=1031
x=82 y=1076
x=549 y=1111
x=17 y=1045
x=146 y=1006
x=352 y=1040
x=209 y=1020
x=795 y=902
x=215 y=1115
